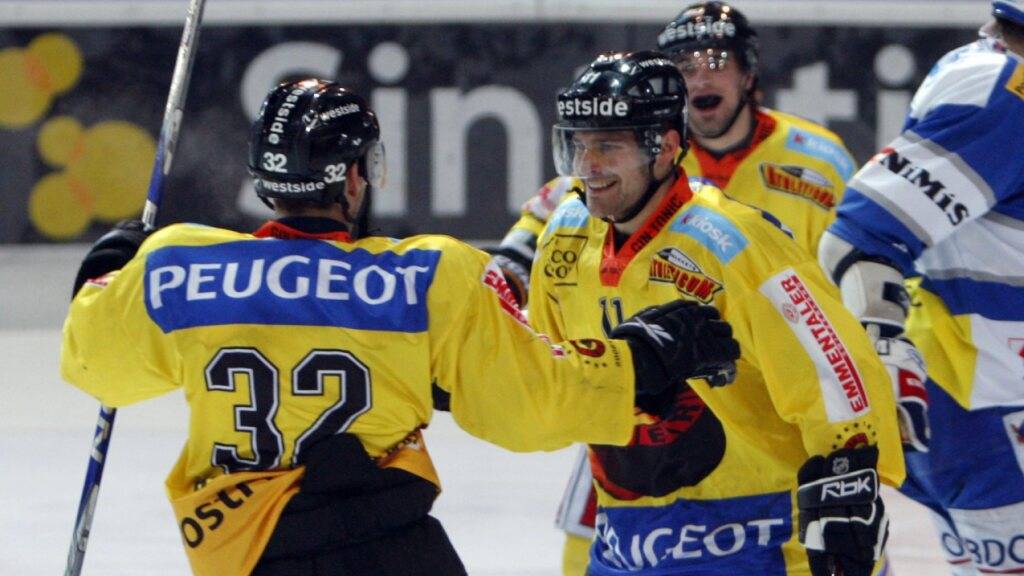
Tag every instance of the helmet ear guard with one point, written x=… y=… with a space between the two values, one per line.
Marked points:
x=307 y=137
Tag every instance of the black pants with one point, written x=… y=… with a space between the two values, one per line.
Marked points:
x=351 y=518
x=420 y=549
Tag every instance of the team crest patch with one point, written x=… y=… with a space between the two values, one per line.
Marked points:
x=800 y=182
x=671 y=266
x=1016 y=82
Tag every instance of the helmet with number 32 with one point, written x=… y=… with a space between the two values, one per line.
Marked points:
x=307 y=137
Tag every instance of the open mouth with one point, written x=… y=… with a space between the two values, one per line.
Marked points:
x=709 y=102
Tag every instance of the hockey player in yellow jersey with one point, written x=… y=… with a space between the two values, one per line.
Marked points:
x=311 y=358
x=790 y=167
x=776 y=473
x=793 y=168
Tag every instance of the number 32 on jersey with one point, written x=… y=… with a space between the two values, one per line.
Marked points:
x=233 y=366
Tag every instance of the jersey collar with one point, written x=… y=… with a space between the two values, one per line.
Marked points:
x=719 y=168
x=304 y=227
x=613 y=263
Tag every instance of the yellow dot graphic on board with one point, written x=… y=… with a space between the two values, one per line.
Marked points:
x=105 y=177
x=59 y=208
x=31 y=77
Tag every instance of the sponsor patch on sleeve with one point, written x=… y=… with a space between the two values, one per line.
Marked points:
x=821 y=148
x=713 y=230
x=841 y=385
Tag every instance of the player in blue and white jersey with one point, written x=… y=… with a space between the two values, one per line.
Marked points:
x=943 y=207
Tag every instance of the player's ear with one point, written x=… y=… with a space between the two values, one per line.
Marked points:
x=670 y=143
x=355 y=188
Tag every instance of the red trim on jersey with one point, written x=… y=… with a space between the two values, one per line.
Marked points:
x=589 y=517
x=275 y=229
x=720 y=170
x=614 y=263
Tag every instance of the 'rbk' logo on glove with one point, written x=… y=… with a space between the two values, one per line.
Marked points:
x=841 y=490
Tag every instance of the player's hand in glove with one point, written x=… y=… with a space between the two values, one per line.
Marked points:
x=111 y=252
x=843 y=524
x=676 y=341
x=908 y=375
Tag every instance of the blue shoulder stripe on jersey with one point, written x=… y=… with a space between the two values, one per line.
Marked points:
x=570 y=214
x=713 y=230
x=875 y=231
x=821 y=148
x=981 y=136
x=288 y=282
x=992 y=300
x=733 y=536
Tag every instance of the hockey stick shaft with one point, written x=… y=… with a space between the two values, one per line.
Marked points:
x=161 y=167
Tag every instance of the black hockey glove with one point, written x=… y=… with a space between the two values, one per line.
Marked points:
x=676 y=341
x=111 y=252
x=843 y=524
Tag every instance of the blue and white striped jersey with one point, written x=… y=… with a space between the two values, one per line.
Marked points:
x=945 y=201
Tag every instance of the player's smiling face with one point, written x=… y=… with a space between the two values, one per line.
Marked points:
x=613 y=168
x=716 y=83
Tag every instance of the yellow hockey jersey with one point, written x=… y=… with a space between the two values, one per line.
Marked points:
x=279 y=342
x=709 y=487
x=792 y=168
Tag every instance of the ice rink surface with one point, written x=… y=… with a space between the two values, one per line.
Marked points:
x=497 y=506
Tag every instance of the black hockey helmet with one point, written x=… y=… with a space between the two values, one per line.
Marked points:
x=711 y=25
x=640 y=91
x=306 y=138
